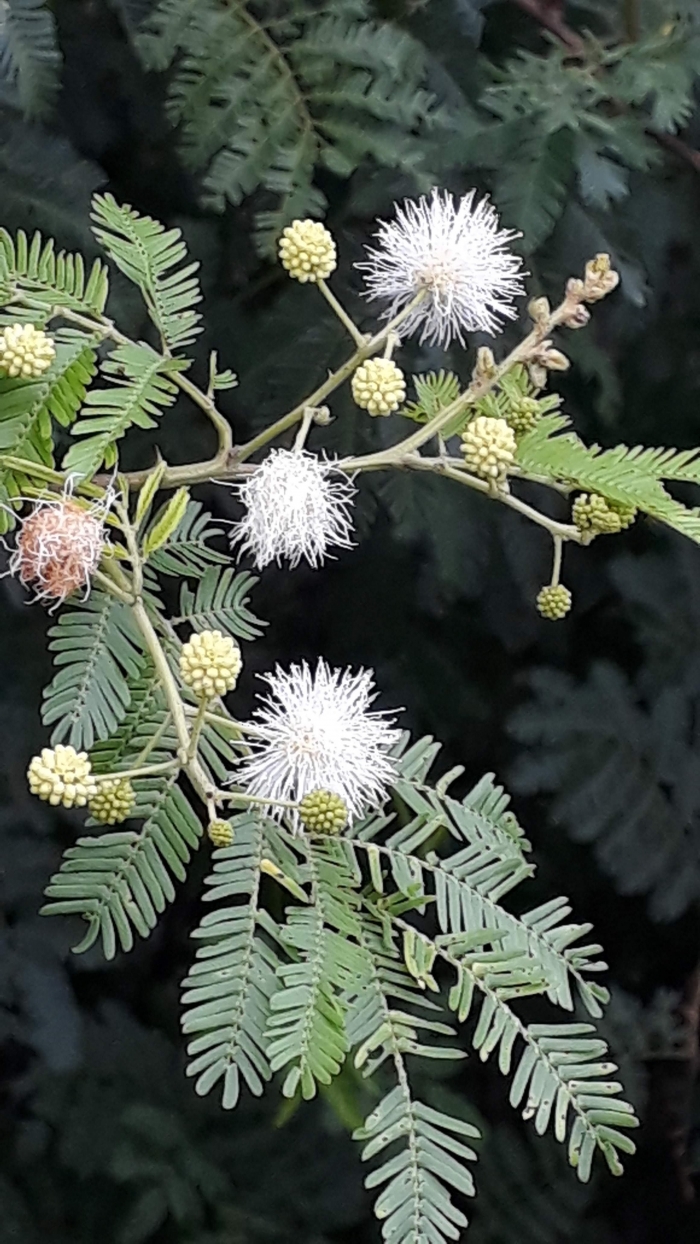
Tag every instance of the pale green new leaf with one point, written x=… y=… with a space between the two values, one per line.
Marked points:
x=187 y=552
x=48 y=277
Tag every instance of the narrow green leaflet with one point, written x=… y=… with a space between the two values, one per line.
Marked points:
x=140 y=391
x=228 y=990
x=96 y=646
x=121 y=882
x=219 y=602
x=149 y=255
x=50 y=277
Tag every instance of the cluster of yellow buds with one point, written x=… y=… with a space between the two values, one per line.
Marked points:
x=322 y=812
x=25 y=351
x=114 y=800
x=307 y=251
x=554 y=601
x=378 y=386
x=210 y=664
x=489 y=447
x=60 y=775
x=599 y=516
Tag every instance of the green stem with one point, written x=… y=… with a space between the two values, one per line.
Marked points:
x=556 y=568
x=167 y=679
x=107 y=582
x=47 y=475
x=371 y=346
x=359 y=338
x=478 y=388
x=155 y=740
x=165 y=766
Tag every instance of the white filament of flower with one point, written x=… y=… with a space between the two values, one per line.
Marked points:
x=298 y=506
x=456 y=253
x=315 y=730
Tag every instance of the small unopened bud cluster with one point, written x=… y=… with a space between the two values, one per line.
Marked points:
x=322 y=812
x=60 y=775
x=58 y=548
x=220 y=833
x=113 y=802
x=600 y=279
x=489 y=448
x=554 y=601
x=485 y=366
x=523 y=414
x=379 y=386
x=307 y=251
x=25 y=351
x=550 y=359
x=210 y=664
x=599 y=516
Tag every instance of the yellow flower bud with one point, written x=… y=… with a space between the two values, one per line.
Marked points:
x=220 y=833
x=554 y=601
x=378 y=386
x=210 y=664
x=60 y=775
x=307 y=251
x=25 y=351
x=489 y=448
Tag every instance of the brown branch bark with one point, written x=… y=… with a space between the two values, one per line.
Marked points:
x=550 y=16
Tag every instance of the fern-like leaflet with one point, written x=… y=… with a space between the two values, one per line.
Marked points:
x=96 y=648
x=147 y=253
x=141 y=389
x=50 y=277
x=263 y=98
x=29 y=54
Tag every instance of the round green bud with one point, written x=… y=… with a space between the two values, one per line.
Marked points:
x=220 y=833
x=113 y=801
x=322 y=812
x=554 y=601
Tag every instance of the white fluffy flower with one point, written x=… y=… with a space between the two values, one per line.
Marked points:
x=315 y=731
x=297 y=505
x=454 y=251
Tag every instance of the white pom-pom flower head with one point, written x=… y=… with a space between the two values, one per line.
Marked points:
x=456 y=255
x=315 y=730
x=298 y=506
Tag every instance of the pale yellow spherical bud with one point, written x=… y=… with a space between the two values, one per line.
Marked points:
x=60 y=775
x=307 y=251
x=378 y=386
x=114 y=800
x=489 y=447
x=210 y=664
x=25 y=351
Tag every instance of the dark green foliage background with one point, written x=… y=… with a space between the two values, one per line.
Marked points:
x=592 y=722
